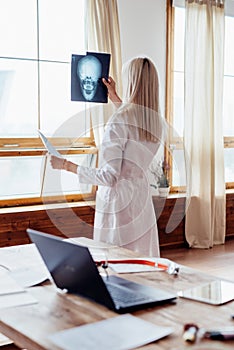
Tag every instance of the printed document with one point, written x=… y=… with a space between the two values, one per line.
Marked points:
x=118 y=333
x=12 y=294
x=50 y=148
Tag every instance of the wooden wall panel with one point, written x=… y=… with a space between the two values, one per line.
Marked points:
x=230 y=216
x=64 y=222
x=173 y=216
x=78 y=221
x=170 y=218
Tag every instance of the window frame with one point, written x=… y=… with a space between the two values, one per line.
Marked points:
x=172 y=142
x=33 y=151
x=33 y=146
x=177 y=142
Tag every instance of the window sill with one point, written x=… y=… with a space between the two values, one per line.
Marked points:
x=183 y=194
x=31 y=208
x=13 y=152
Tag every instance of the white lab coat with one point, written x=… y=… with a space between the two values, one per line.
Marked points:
x=125 y=215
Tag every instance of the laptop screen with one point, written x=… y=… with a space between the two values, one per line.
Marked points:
x=71 y=267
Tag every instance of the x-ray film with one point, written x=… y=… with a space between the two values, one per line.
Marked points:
x=87 y=72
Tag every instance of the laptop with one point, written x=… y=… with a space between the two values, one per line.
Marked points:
x=73 y=270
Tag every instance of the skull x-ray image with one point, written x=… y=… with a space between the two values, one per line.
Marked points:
x=87 y=72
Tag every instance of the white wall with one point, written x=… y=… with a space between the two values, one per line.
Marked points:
x=143 y=32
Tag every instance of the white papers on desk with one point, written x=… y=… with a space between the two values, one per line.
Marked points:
x=12 y=294
x=91 y=244
x=24 y=264
x=118 y=333
x=20 y=267
x=30 y=276
x=8 y=285
x=16 y=299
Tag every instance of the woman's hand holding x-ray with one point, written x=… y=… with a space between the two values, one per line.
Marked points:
x=111 y=87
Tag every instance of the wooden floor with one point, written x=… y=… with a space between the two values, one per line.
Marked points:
x=217 y=261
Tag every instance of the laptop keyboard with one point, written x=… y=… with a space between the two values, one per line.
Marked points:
x=124 y=296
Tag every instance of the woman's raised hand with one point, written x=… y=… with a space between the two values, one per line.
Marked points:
x=111 y=87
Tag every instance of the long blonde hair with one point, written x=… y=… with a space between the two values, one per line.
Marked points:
x=143 y=83
x=143 y=90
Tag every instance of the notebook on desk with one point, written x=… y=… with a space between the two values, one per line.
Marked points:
x=73 y=269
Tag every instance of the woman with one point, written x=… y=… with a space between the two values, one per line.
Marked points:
x=125 y=214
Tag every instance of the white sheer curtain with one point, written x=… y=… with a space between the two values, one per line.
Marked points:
x=228 y=6
x=203 y=136
x=103 y=35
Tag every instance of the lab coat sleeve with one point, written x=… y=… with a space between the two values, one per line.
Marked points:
x=111 y=157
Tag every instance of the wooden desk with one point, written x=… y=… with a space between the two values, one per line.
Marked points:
x=29 y=326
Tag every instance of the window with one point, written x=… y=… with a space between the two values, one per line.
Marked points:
x=175 y=101
x=37 y=39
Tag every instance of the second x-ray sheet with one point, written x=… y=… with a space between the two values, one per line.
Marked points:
x=87 y=72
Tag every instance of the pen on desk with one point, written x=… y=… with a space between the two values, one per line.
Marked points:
x=219 y=335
